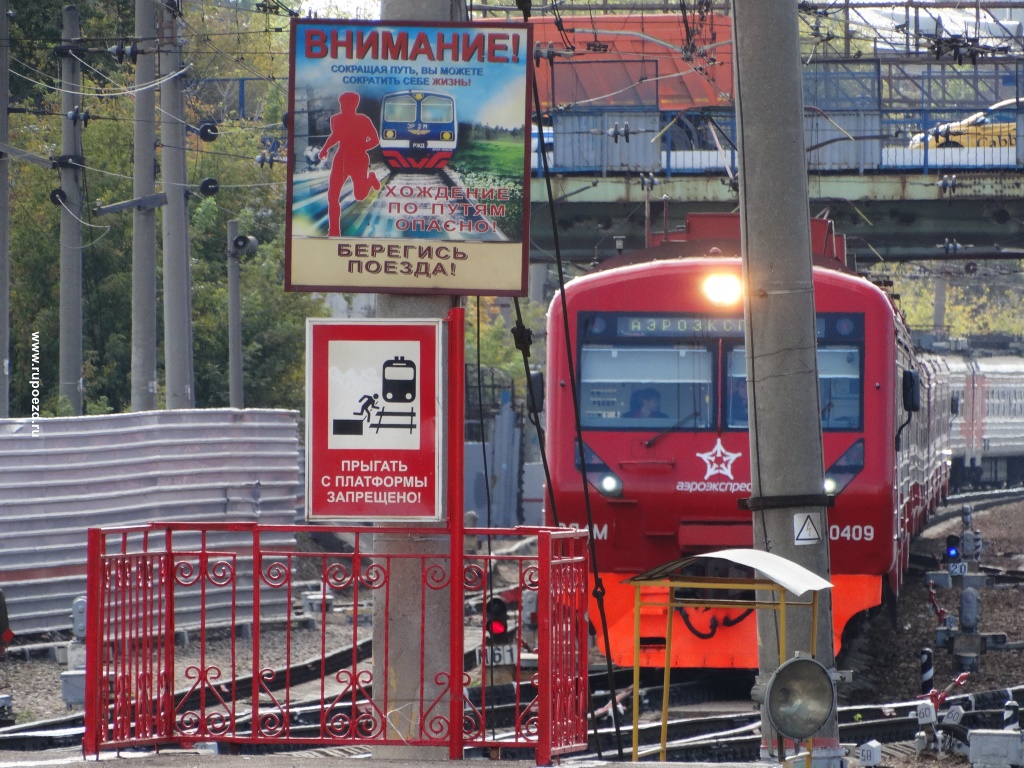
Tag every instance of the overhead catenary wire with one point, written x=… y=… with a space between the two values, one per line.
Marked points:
x=101 y=94
x=598 y=591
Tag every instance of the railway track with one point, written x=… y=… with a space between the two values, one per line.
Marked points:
x=718 y=737
x=979 y=500
x=715 y=736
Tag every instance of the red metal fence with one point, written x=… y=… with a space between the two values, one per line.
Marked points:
x=158 y=674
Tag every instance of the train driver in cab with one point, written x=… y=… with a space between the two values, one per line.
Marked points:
x=645 y=404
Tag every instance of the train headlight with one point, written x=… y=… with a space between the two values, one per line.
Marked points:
x=845 y=468
x=722 y=289
x=599 y=474
x=389 y=133
x=609 y=485
x=446 y=135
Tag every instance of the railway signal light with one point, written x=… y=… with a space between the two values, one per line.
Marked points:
x=496 y=618
x=952 y=547
x=799 y=698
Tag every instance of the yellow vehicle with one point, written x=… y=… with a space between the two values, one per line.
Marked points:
x=995 y=127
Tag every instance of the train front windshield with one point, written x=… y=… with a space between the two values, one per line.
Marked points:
x=437 y=109
x=405 y=108
x=686 y=372
x=646 y=387
x=400 y=109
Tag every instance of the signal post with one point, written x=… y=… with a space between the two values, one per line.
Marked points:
x=787 y=472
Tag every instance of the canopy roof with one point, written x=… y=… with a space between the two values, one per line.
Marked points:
x=783 y=572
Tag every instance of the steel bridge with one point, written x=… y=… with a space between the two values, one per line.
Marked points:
x=894 y=202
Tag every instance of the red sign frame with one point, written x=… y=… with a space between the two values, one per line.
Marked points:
x=374 y=427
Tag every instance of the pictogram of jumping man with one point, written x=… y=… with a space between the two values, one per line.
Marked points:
x=355 y=135
x=367 y=404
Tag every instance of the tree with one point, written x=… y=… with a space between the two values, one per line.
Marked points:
x=228 y=43
x=977 y=300
x=489 y=323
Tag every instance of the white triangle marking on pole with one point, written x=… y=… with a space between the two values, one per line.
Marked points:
x=805 y=530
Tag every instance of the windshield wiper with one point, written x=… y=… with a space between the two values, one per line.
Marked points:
x=649 y=443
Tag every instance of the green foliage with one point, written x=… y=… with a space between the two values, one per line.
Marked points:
x=501 y=155
x=226 y=43
x=494 y=162
x=974 y=305
x=275 y=331
x=35 y=34
x=488 y=328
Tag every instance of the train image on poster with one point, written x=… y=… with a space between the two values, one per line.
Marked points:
x=418 y=130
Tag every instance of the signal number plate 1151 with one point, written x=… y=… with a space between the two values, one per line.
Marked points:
x=499 y=655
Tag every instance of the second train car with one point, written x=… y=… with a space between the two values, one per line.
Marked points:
x=661 y=374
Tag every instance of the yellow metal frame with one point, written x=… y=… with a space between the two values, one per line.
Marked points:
x=671 y=603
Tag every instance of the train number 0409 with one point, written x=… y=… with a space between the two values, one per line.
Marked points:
x=852 y=532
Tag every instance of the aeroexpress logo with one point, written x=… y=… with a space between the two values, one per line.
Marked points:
x=717 y=461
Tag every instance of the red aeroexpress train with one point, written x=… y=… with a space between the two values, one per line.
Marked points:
x=660 y=368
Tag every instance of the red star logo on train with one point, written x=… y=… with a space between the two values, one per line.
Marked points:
x=719 y=461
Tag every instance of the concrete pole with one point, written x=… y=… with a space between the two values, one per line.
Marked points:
x=177 y=271
x=401 y=676
x=5 y=218
x=939 y=307
x=235 y=387
x=71 y=219
x=787 y=474
x=144 y=382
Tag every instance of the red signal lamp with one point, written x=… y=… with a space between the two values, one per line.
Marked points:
x=496 y=617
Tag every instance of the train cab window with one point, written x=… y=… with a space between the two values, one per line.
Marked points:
x=736 y=410
x=839 y=387
x=437 y=110
x=645 y=387
x=400 y=109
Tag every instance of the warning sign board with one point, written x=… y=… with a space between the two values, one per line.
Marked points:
x=806 y=529
x=373 y=431
x=410 y=157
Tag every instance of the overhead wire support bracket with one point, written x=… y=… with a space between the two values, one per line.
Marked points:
x=70 y=49
x=21 y=154
x=277 y=8
x=145 y=203
x=69 y=161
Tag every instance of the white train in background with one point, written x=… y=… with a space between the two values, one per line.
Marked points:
x=987 y=430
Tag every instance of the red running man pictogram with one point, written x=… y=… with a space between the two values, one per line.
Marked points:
x=355 y=135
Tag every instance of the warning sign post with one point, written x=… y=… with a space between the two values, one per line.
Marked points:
x=373 y=428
